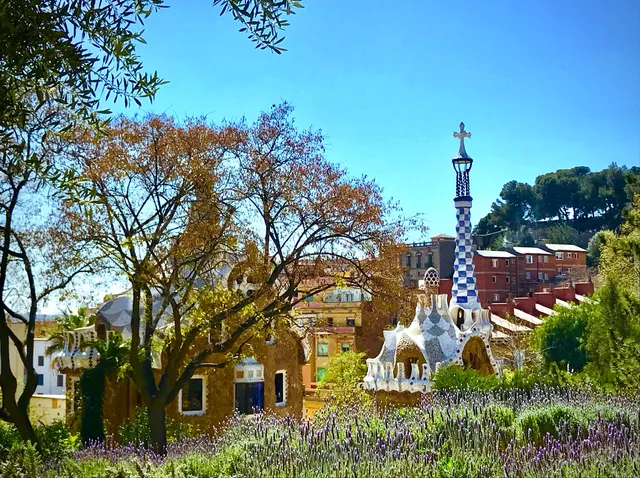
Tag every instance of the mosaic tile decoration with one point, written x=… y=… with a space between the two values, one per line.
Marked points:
x=463 y=292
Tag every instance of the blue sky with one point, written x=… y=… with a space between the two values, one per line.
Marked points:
x=541 y=85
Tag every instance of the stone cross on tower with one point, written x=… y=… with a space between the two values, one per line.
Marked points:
x=463 y=291
x=462 y=153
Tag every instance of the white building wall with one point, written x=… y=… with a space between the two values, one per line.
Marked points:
x=49 y=375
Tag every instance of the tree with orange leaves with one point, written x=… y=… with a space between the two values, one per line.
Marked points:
x=184 y=210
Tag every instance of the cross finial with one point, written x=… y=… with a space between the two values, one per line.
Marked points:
x=462 y=153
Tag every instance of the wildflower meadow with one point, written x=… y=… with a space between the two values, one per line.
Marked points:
x=552 y=432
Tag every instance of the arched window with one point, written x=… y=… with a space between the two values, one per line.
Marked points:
x=419 y=260
x=430 y=259
x=408 y=260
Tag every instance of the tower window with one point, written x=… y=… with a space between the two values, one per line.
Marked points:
x=409 y=260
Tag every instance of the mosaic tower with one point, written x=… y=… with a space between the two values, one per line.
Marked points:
x=463 y=292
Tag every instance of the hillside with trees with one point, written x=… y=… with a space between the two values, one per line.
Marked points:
x=565 y=206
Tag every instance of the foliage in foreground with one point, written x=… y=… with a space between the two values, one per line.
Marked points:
x=344 y=377
x=550 y=433
x=601 y=336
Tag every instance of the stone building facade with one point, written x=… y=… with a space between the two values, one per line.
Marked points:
x=338 y=320
x=270 y=380
x=420 y=256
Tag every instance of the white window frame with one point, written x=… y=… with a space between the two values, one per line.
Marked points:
x=546 y=259
x=508 y=280
x=494 y=279
x=546 y=276
x=527 y=275
x=496 y=297
x=495 y=263
x=204 y=399
x=283 y=403
x=540 y=276
x=560 y=255
x=529 y=259
x=506 y=262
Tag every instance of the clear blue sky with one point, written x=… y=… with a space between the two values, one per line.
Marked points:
x=540 y=84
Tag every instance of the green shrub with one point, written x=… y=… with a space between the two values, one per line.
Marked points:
x=535 y=423
x=8 y=436
x=22 y=461
x=454 y=377
x=560 y=338
x=137 y=432
x=465 y=466
x=56 y=441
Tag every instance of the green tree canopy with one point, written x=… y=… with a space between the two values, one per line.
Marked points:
x=77 y=53
x=560 y=337
x=584 y=200
x=344 y=375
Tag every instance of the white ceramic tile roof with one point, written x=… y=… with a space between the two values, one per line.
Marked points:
x=530 y=319
x=531 y=250
x=510 y=326
x=582 y=298
x=565 y=247
x=563 y=303
x=495 y=254
x=496 y=334
x=545 y=310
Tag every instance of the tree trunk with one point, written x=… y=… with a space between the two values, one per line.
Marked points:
x=158 y=426
x=20 y=419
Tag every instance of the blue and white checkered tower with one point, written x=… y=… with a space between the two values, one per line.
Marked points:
x=463 y=291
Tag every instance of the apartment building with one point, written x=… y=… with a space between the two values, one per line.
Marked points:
x=420 y=256
x=571 y=261
x=499 y=275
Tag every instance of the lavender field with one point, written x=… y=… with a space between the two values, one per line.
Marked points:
x=543 y=433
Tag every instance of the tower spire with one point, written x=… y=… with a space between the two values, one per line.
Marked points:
x=463 y=291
